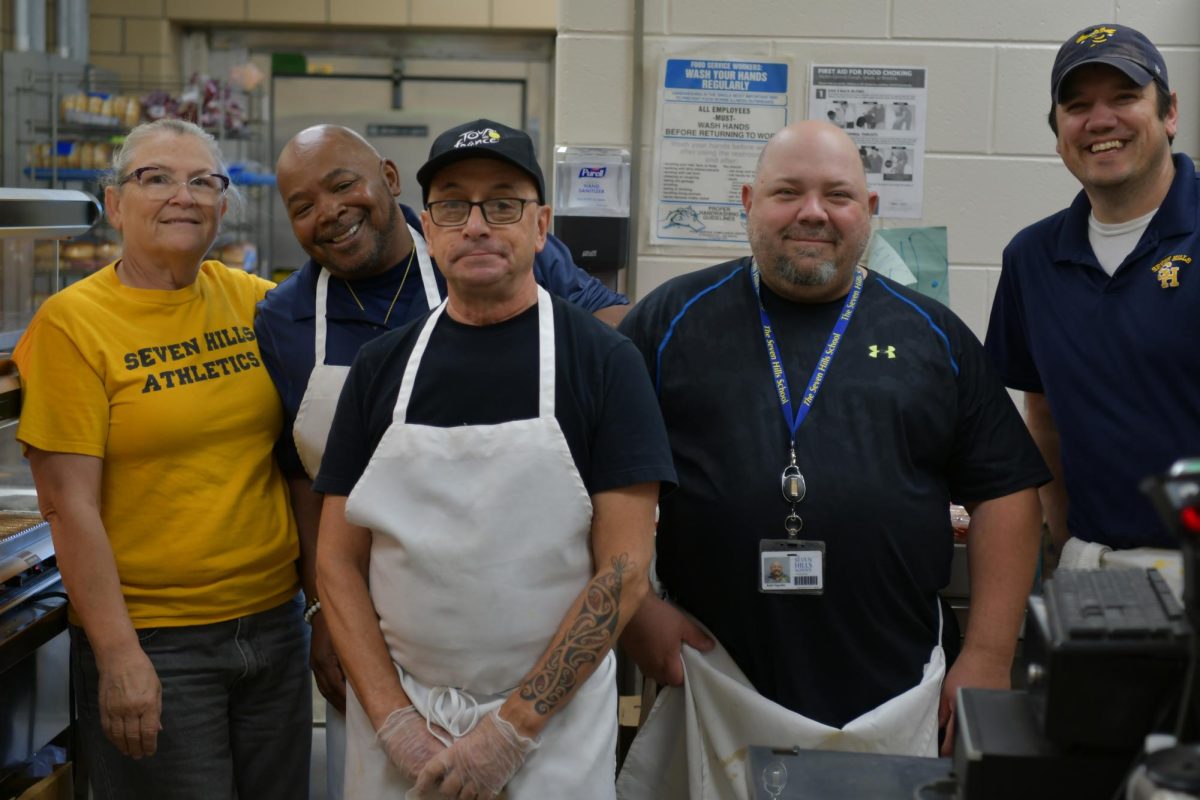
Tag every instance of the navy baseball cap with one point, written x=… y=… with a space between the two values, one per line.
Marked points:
x=482 y=138
x=1117 y=46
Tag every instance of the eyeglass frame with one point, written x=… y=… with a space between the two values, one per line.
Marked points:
x=471 y=204
x=136 y=176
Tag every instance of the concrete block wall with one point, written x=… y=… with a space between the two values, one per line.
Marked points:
x=134 y=39
x=990 y=165
x=141 y=39
x=442 y=14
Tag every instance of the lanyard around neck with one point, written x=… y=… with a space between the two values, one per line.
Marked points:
x=795 y=416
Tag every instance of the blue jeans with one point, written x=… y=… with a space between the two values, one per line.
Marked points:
x=236 y=712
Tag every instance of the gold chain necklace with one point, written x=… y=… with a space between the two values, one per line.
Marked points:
x=395 y=297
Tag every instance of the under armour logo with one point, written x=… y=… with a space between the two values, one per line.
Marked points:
x=889 y=351
x=1168 y=277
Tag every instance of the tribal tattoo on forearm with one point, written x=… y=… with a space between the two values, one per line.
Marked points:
x=589 y=637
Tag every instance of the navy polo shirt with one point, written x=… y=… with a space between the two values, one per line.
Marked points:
x=285 y=320
x=1118 y=358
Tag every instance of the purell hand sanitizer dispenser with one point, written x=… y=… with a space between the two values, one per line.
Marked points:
x=591 y=207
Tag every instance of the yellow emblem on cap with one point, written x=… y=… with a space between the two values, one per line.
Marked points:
x=1097 y=36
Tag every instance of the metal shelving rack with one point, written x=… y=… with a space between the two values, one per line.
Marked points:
x=34 y=86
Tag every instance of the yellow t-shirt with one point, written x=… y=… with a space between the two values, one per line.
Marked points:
x=169 y=389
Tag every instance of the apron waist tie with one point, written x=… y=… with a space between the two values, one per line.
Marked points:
x=455 y=711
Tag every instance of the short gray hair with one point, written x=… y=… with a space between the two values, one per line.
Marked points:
x=123 y=155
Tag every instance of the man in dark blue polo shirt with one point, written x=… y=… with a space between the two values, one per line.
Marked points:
x=369 y=272
x=1097 y=313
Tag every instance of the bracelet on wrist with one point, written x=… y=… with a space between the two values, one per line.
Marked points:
x=311 y=611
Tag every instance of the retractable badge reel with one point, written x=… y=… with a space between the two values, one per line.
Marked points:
x=792 y=565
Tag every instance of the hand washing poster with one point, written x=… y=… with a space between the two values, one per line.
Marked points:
x=714 y=115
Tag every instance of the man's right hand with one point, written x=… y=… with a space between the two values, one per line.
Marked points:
x=325 y=665
x=654 y=636
x=130 y=702
x=406 y=739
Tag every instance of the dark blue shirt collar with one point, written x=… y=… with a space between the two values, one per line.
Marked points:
x=1176 y=217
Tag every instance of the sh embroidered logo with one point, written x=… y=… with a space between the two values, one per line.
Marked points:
x=1167 y=270
x=1097 y=36
x=888 y=351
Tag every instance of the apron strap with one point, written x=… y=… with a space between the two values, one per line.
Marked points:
x=414 y=361
x=545 y=354
x=428 y=277
x=545 y=359
x=319 y=320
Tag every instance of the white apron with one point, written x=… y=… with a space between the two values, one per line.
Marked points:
x=480 y=545
x=315 y=415
x=310 y=432
x=694 y=742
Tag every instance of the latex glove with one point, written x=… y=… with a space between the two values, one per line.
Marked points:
x=130 y=702
x=480 y=764
x=408 y=742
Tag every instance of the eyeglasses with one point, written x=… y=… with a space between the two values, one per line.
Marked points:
x=158 y=184
x=497 y=211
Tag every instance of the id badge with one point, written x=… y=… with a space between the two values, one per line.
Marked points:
x=791 y=566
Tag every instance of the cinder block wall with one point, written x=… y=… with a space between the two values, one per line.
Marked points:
x=134 y=39
x=140 y=39
x=990 y=166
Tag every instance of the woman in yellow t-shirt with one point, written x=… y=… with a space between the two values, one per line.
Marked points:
x=149 y=422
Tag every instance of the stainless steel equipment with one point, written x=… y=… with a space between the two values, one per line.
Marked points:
x=34 y=648
x=27 y=564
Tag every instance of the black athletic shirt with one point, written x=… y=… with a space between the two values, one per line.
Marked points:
x=910 y=416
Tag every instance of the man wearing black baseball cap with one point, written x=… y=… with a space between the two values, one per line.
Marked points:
x=489 y=509
x=482 y=139
x=1097 y=311
x=369 y=271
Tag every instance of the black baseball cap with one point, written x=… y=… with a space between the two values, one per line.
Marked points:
x=482 y=138
x=1118 y=46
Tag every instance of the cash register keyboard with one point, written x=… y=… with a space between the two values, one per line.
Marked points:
x=1112 y=604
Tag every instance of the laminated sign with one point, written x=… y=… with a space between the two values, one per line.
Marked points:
x=714 y=115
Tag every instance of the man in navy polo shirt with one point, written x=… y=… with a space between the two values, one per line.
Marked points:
x=1097 y=313
x=369 y=272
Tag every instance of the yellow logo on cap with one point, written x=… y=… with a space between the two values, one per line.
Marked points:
x=1097 y=36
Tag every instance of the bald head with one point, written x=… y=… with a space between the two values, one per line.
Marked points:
x=320 y=138
x=808 y=211
x=340 y=195
x=823 y=137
